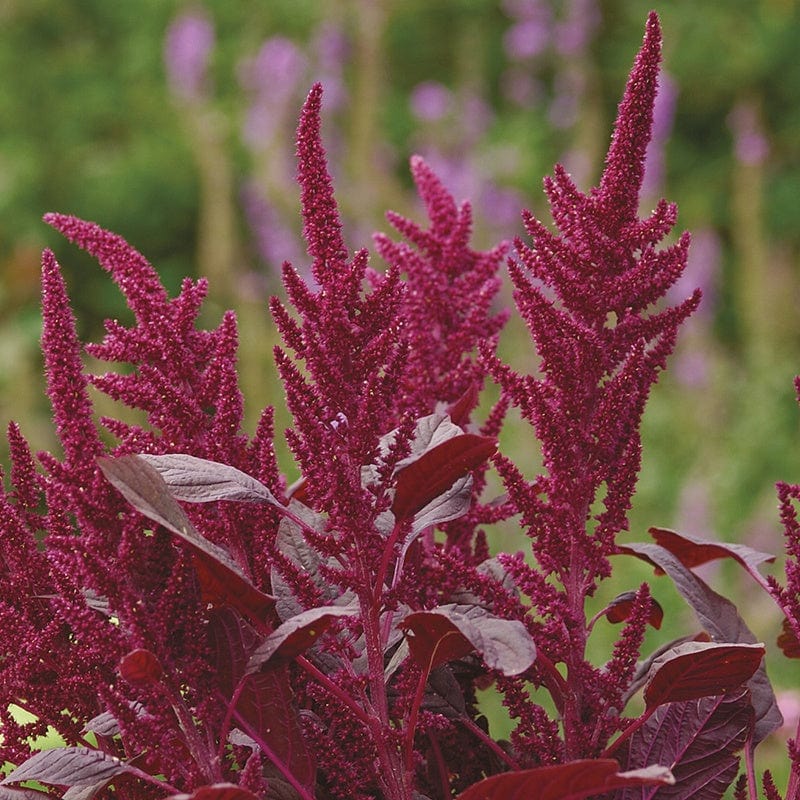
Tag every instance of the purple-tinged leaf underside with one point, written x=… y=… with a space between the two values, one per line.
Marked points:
x=699 y=739
x=68 y=766
x=296 y=635
x=84 y=792
x=198 y=480
x=700 y=669
x=720 y=619
x=266 y=711
x=450 y=632
x=17 y=793
x=221 y=578
x=571 y=781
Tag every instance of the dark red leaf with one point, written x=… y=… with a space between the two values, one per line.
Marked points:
x=700 y=669
x=437 y=470
x=787 y=641
x=217 y=791
x=434 y=640
x=571 y=781
x=450 y=632
x=221 y=578
x=296 y=635
x=619 y=609
x=460 y=410
x=67 y=766
x=721 y=620
x=699 y=739
x=266 y=709
x=140 y=667
x=693 y=552
x=267 y=712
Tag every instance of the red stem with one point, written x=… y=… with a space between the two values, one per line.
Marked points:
x=628 y=732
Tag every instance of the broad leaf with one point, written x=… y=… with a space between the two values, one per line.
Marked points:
x=67 y=766
x=106 y=724
x=451 y=504
x=140 y=667
x=460 y=410
x=699 y=739
x=720 y=619
x=571 y=781
x=231 y=640
x=198 y=480
x=296 y=635
x=265 y=710
x=217 y=791
x=693 y=552
x=787 y=641
x=84 y=792
x=443 y=694
x=221 y=578
x=452 y=631
x=700 y=669
x=620 y=608
x=437 y=470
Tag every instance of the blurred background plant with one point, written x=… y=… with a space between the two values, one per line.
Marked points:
x=173 y=125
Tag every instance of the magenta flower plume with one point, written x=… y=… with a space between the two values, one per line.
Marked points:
x=447 y=305
x=170 y=355
x=585 y=294
x=67 y=386
x=352 y=344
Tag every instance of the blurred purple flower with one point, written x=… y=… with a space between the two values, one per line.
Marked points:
x=500 y=206
x=526 y=9
x=272 y=77
x=691 y=368
x=476 y=117
x=430 y=101
x=187 y=46
x=694 y=513
x=663 y=117
x=275 y=69
x=702 y=271
x=750 y=144
x=527 y=39
x=274 y=240
x=568 y=87
x=521 y=87
x=573 y=34
x=331 y=48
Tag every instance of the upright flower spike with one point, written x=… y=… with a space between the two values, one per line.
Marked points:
x=322 y=226
x=585 y=294
x=621 y=183
x=448 y=301
x=351 y=342
x=66 y=384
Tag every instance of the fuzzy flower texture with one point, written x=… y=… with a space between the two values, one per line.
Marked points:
x=193 y=627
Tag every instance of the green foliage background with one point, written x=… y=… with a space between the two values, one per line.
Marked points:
x=89 y=127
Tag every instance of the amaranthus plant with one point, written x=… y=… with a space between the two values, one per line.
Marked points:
x=195 y=627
